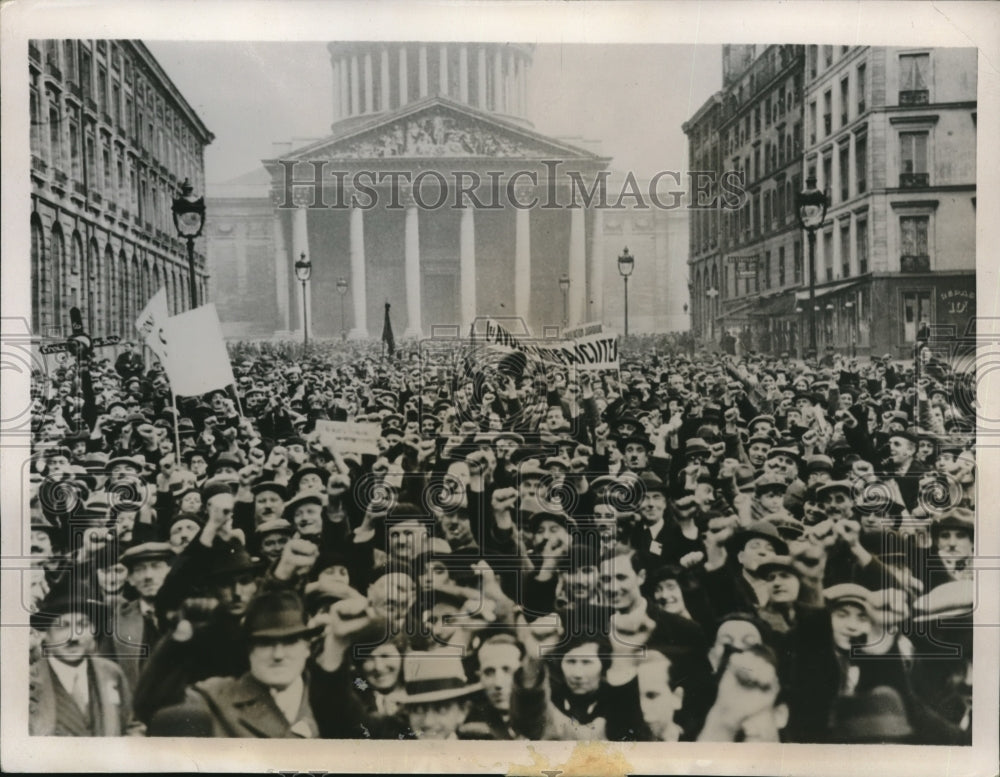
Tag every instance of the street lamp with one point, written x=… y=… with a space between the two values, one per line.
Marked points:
x=711 y=293
x=189 y=220
x=564 y=288
x=342 y=290
x=626 y=264
x=849 y=304
x=811 y=204
x=303 y=269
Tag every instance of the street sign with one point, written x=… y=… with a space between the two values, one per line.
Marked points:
x=746 y=266
x=70 y=347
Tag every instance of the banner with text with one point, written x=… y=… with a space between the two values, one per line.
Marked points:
x=151 y=322
x=351 y=436
x=594 y=352
x=197 y=361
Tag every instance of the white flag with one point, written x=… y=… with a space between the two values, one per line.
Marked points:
x=197 y=360
x=151 y=321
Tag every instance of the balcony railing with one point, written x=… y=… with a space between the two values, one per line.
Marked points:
x=914 y=97
x=38 y=164
x=53 y=69
x=78 y=188
x=34 y=52
x=914 y=263
x=60 y=177
x=74 y=89
x=914 y=180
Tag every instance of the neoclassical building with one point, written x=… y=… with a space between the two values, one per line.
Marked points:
x=434 y=193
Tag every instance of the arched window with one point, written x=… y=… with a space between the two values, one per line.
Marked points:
x=39 y=278
x=123 y=287
x=135 y=291
x=93 y=289
x=108 y=289
x=143 y=287
x=57 y=250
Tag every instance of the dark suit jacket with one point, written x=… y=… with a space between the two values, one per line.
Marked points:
x=240 y=707
x=110 y=696
x=127 y=643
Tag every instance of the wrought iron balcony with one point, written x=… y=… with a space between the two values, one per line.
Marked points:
x=914 y=263
x=914 y=97
x=914 y=180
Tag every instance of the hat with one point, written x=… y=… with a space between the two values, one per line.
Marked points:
x=432 y=677
x=536 y=519
x=66 y=598
x=876 y=716
x=235 y=561
x=224 y=460
x=185 y=427
x=760 y=438
x=270 y=485
x=277 y=615
x=745 y=478
x=272 y=525
x=778 y=562
x=302 y=499
x=789 y=529
x=197 y=518
x=695 y=446
x=147 y=551
x=906 y=434
x=819 y=463
x=785 y=450
x=652 y=484
x=639 y=439
x=628 y=419
x=834 y=485
x=513 y=436
x=214 y=488
x=769 y=482
x=955 y=518
x=137 y=462
x=758 y=529
x=852 y=593
x=301 y=472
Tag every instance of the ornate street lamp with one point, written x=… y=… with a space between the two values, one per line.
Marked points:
x=626 y=264
x=711 y=293
x=564 y=288
x=811 y=204
x=303 y=270
x=342 y=290
x=189 y=220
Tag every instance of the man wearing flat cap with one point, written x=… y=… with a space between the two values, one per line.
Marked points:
x=902 y=467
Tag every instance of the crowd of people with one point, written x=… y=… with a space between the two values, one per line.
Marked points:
x=458 y=543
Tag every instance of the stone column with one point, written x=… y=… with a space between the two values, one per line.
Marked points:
x=463 y=73
x=522 y=262
x=467 y=267
x=595 y=311
x=384 y=74
x=481 y=77
x=281 y=272
x=404 y=85
x=509 y=84
x=412 y=263
x=443 y=70
x=358 y=292
x=369 y=84
x=577 y=265
x=300 y=245
x=498 y=105
x=336 y=90
x=345 y=88
x=422 y=69
x=852 y=166
x=355 y=86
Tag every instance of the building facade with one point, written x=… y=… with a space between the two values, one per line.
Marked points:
x=890 y=136
x=111 y=141
x=438 y=196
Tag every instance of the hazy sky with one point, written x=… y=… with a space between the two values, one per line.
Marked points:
x=630 y=98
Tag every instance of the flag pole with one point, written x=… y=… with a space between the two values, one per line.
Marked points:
x=177 y=429
x=239 y=405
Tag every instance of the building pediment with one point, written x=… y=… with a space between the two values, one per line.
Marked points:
x=439 y=128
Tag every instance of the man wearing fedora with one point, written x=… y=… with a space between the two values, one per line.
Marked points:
x=73 y=691
x=272 y=699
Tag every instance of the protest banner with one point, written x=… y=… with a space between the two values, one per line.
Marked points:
x=351 y=436
x=596 y=352
x=197 y=360
x=151 y=322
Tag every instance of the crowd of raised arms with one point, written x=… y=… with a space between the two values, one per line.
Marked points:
x=458 y=543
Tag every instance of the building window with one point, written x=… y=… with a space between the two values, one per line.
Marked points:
x=914 y=251
x=102 y=89
x=861 y=230
x=756 y=121
x=116 y=104
x=74 y=151
x=813 y=57
x=861 y=163
x=828 y=254
x=827 y=171
x=69 y=60
x=913 y=160
x=767 y=269
x=812 y=122
x=845 y=172
x=913 y=79
x=86 y=86
x=797 y=262
x=861 y=89
x=916 y=310
x=827 y=112
x=827 y=56
x=781 y=266
x=845 y=100
x=845 y=249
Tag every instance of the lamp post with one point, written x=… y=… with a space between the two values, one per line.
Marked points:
x=626 y=264
x=303 y=269
x=851 y=323
x=189 y=220
x=711 y=293
x=811 y=207
x=342 y=290
x=564 y=288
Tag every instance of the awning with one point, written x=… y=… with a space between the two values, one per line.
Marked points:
x=803 y=296
x=734 y=313
x=775 y=307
